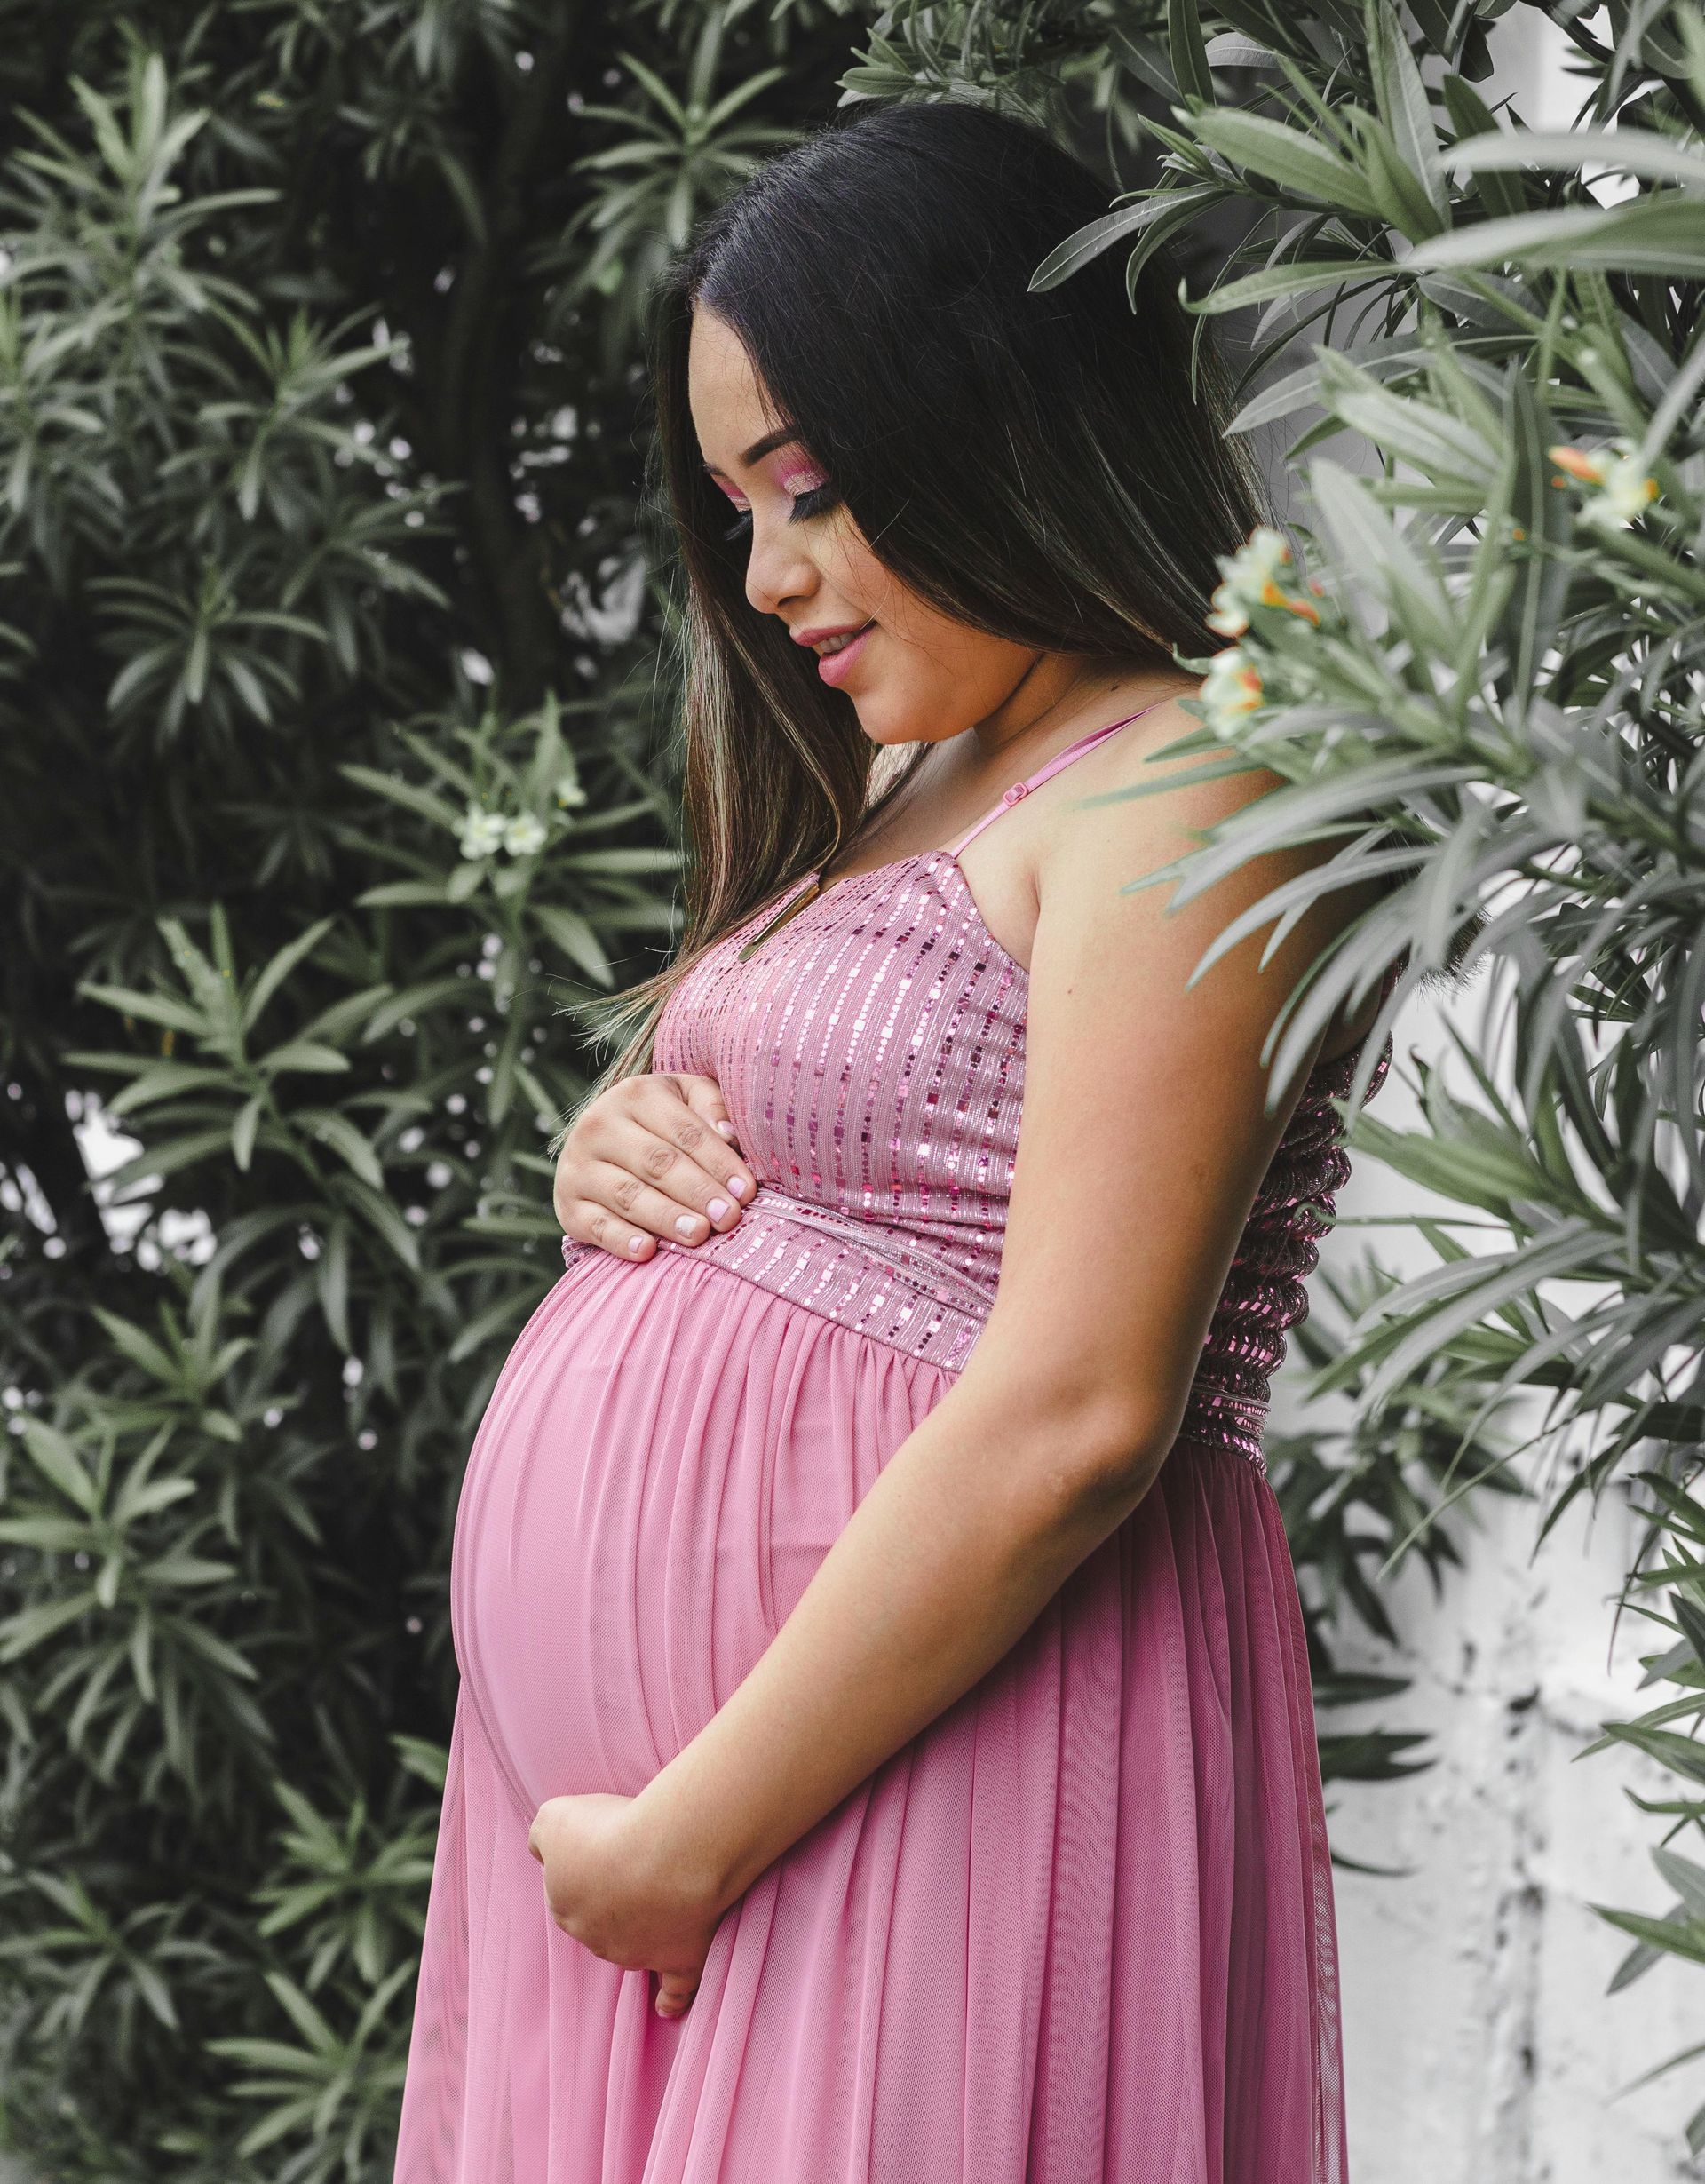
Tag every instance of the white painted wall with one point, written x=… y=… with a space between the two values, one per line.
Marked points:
x=1480 y=2045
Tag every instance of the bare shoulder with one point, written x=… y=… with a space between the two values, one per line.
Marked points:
x=1155 y=789
x=1091 y=863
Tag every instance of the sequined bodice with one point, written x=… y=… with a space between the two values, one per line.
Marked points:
x=871 y=1052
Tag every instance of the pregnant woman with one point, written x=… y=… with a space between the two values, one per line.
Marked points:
x=885 y=1752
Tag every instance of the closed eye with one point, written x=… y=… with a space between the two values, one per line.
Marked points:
x=817 y=501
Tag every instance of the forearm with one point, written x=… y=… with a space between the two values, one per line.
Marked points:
x=973 y=1525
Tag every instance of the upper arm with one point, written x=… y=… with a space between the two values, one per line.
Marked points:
x=1145 y=1133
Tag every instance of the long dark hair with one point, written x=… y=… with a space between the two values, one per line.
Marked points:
x=1051 y=468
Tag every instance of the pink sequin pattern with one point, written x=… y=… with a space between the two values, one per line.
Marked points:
x=871 y=1052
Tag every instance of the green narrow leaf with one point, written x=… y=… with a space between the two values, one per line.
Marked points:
x=1626 y=151
x=153 y=1008
x=337 y=1132
x=242 y=1131
x=1287 y=156
x=280 y=968
x=1543 y=517
x=1663 y=234
x=1184 y=47
x=570 y=931
x=408 y=793
x=404 y=894
x=304 y=1057
x=1295 y=279
x=56 y=1456
x=141 y=1349
x=500 y=1318
x=1398 y=192
x=331 y=1272
x=1146 y=59
x=381 y=1216
x=1403 y=107
x=21 y=1633
x=1089 y=242
x=1676 y=1938
x=1505 y=196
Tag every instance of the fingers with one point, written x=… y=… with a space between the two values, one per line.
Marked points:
x=675 y=1990
x=704 y=1095
x=589 y=1222
x=688 y=1118
x=681 y=1178
x=650 y=1159
x=638 y=1209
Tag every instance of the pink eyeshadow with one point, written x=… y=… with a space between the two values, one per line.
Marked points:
x=804 y=478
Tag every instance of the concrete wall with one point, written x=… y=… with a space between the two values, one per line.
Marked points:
x=1481 y=2046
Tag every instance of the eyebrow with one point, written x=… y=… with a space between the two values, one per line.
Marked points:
x=759 y=449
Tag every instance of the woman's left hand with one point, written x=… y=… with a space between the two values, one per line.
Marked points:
x=609 y=1889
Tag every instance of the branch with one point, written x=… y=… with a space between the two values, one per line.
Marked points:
x=475 y=373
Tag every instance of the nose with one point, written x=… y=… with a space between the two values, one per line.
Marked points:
x=777 y=567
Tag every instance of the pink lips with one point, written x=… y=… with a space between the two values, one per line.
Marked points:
x=834 y=667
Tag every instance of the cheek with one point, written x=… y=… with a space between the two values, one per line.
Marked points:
x=936 y=675
x=870 y=588
x=931 y=646
x=853 y=572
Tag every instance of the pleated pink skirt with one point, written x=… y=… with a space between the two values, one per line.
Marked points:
x=1080 y=1931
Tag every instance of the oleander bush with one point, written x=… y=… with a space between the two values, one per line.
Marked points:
x=334 y=779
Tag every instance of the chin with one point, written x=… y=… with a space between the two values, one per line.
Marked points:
x=891 y=722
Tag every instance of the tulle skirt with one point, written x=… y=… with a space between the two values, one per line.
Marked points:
x=1080 y=1931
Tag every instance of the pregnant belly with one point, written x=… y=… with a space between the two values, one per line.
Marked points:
x=669 y=1453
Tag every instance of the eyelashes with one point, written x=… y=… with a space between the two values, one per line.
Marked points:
x=816 y=501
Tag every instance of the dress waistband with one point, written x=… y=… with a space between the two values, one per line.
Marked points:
x=871 y=1277
x=881 y=1281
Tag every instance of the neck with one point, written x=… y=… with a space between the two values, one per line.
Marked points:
x=1057 y=690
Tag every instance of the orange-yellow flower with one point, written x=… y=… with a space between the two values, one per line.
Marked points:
x=1618 y=488
x=1586 y=468
x=1231 y=687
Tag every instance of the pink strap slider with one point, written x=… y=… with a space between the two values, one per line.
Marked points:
x=1009 y=797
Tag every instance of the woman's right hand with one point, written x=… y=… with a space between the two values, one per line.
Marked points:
x=651 y=1157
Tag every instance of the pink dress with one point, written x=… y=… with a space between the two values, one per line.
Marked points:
x=1079 y=1931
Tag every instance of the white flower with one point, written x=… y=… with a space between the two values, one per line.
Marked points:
x=1258 y=561
x=482 y=832
x=1252 y=580
x=1230 y=688
x=524 y=834
x=1228 y=618
x=568 y=792
x=1619 y=488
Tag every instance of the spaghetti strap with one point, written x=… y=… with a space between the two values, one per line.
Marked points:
x=1060 y=759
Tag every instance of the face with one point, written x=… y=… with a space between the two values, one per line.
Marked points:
x=913 y=674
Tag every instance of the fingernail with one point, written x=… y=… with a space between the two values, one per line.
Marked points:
x=636 y=1243
x=739 y=1186
x=726 y=1128
x=686 y=1225
x=717 y=1208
